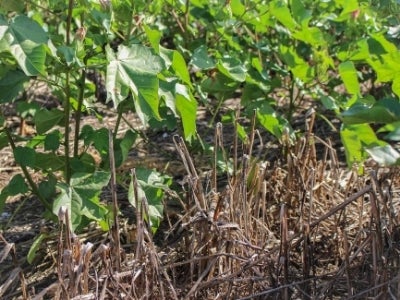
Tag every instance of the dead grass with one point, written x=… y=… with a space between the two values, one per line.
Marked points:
x=298 y=228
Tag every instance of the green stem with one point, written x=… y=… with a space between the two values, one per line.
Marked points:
x=130 y=25
x=220 y=101
x=32 y=184
x=67 y=97
x=291 y=101
x=66 y=127
x=186 y=33
x=78 y=112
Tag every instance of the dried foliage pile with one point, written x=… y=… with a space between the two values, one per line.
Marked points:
x=299 y=228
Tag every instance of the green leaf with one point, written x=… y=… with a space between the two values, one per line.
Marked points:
x=232 y=68
x=237 y=7
x=384 y=43
x=296 y=64
x=269 y=120
x=219 y=84
x=201 y=59
x=11 y=85
x=81 y=197
x=17 y=185
x=24 y=156
x=384 y=155
x=3 y=27
x=99 y=138
x=135 y=69
x=154 y=37
x=384 y=111
x=281 y=12
x=300 y=13
x=26 y=40
x=355 y=139
x=49 y=162
x=187 y=108
x=393 y=129
x=69 y=55
x=312 y=36
x=47 y=188
x=151 y=185
x=52 y=141
x=3 y=140
x=85 y=163
x=180 y=68
x=47 y=119
x=348 y=73
x=26 y=109
x=123 y=146
x=4 y=194
x=33 y=250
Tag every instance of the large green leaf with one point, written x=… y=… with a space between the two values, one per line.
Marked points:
x=384 y=155
x=26 y=40
x=187 y=107
x=355 y=139
x=232 y=68
x=300 y=13
x=81 y=197
x=201 y=59
x=384 y=111
x=11 y=85
x=282 y=13
x=25 y=156
x=49 y=162
x=47 y=119
x=297 y=64
x=135 y=69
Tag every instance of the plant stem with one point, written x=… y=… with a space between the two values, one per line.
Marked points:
x=119 y=117
x=66 y=127
x=186 y=33
x=130 y=25
x=69 y=21
x=32 y=184
x=292 y=98
x=78 y=112
x=67 y=96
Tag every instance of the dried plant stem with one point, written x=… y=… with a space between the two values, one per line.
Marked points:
x=113 y=184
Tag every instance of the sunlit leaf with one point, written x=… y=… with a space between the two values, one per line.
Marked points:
x=348 y=73
x=355 y=138
x=26 y=40
x=232 y=68
x=201 y=59
x=135 y=69
x=384 y=155
x=384 y=111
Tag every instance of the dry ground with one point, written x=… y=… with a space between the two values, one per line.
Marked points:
x=290 y=223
